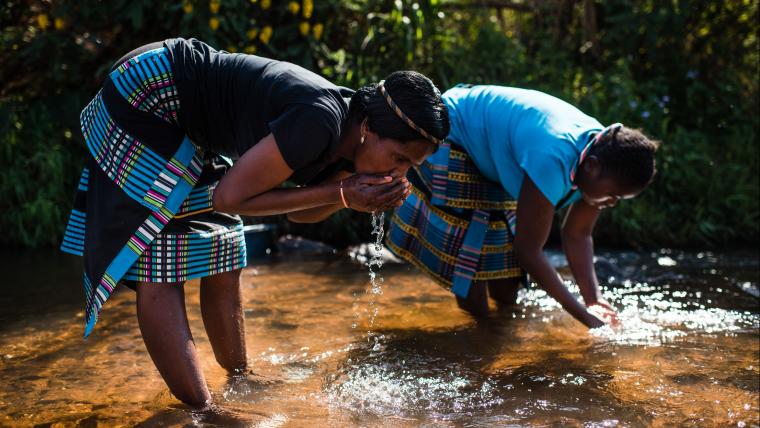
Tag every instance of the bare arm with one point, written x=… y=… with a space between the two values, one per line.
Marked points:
x=314 y=215
x=248 y=188
x=534 y=220
x=578 y=244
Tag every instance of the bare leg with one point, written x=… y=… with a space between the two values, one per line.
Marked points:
x=504 y=290
x=166 y=333
x=476 y=302
x=222 y=310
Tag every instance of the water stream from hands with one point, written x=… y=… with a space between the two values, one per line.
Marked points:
x=374 y=265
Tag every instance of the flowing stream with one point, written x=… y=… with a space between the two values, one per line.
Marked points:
x=685 y=354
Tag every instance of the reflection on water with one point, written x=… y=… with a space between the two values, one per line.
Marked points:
x=686 y=351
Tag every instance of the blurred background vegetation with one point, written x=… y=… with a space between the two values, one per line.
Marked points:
x=685 y=71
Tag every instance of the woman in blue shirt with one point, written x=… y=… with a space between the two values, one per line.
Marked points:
x=514 y=154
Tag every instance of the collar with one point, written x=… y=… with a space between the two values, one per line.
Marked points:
x=612 y=128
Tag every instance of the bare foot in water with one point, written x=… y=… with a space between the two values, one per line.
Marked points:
x=181 y=415
x=247 y=385
x=217 y=416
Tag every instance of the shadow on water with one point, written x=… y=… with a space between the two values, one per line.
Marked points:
x=45 y=284
x=685 y=354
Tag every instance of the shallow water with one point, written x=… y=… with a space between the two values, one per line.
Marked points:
x=685 y=354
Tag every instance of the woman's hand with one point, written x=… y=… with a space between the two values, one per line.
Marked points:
x=604 y=312
x=603 y=303
x=369 y=193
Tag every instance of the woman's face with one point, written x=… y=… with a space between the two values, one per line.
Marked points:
x=388 y=156
x=604 y=192
x=599 y=189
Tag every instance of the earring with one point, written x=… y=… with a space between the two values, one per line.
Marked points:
x=362 y=140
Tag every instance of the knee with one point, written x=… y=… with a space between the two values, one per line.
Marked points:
x=223 y=287
x=159 y=295
x=504 y=291
x=227 y=281
x=476 y=310
x=476 y=302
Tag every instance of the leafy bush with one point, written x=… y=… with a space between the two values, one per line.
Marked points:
x=683 y=71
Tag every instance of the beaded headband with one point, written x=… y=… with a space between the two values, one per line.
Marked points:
x=614 y=128
x=402 y=116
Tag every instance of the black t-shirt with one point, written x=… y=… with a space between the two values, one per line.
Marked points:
x=228 y=102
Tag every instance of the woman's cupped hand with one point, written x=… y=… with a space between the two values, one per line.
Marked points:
x=375 y=192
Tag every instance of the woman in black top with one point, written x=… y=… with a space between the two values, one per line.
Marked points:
x=159 y=199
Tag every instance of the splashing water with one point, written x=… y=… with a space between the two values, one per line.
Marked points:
x=376 y=281
x=376 y=259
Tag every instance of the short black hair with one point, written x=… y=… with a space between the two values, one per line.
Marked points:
x=628 y=156
x=414 y=94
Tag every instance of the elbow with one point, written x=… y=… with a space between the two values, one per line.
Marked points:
x=296 y=218
x=221 y=202
x=572 y=234
x=299 y=217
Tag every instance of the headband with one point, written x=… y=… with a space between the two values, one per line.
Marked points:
x=402 y=116
x=614 y=128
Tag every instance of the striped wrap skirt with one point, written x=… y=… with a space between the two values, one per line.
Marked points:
x=142 y=210
x=456 y=226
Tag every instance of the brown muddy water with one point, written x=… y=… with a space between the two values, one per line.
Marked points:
x=686 y=352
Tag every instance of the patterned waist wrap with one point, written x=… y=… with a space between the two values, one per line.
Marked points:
x=142 y=210
x=457 y=226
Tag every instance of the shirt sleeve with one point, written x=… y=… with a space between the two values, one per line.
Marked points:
x=304 y=133
x=548 y=171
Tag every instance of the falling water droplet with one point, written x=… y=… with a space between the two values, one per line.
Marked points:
x=374 y=264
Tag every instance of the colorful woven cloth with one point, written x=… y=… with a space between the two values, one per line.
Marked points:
x=456 y=226
x=142 y=210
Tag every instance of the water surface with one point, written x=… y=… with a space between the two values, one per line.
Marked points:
x=685 y=354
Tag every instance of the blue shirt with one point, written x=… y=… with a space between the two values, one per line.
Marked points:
x=509 y=132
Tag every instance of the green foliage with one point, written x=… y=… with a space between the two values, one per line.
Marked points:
x=37 y=184
x=684 y=71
